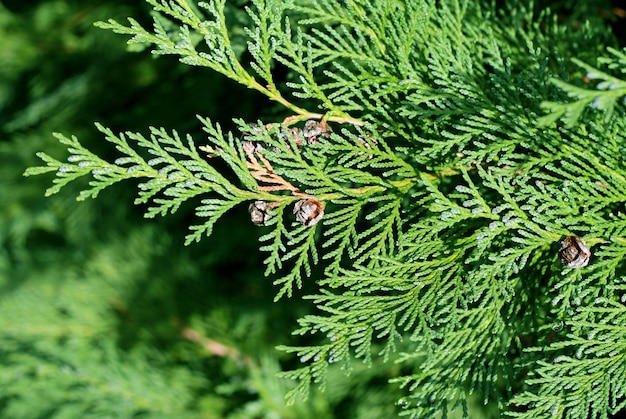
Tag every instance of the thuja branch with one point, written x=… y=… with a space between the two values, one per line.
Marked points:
x=221 y=56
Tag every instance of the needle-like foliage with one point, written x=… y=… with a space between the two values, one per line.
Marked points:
x=432 y=163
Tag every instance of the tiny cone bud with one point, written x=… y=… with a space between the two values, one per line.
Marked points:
x=574 y=252
x=314 y=130
x=297 y=136
x=308 y=211
x=259 y=212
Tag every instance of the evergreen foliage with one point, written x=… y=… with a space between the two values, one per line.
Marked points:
x=105 y=314
x=451 y=147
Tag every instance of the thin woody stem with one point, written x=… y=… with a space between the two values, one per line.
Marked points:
x=301 y=113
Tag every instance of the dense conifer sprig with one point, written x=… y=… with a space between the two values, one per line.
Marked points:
x=417 y=165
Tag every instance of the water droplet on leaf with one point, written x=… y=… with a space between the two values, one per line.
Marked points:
x=403 y=403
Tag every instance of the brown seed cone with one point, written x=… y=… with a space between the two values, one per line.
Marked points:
x=314 y=130
x=308 y=211
x=574 y=252
x=297 y=136
x=259 y=212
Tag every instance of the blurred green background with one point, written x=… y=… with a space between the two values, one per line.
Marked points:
x=102 y=312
